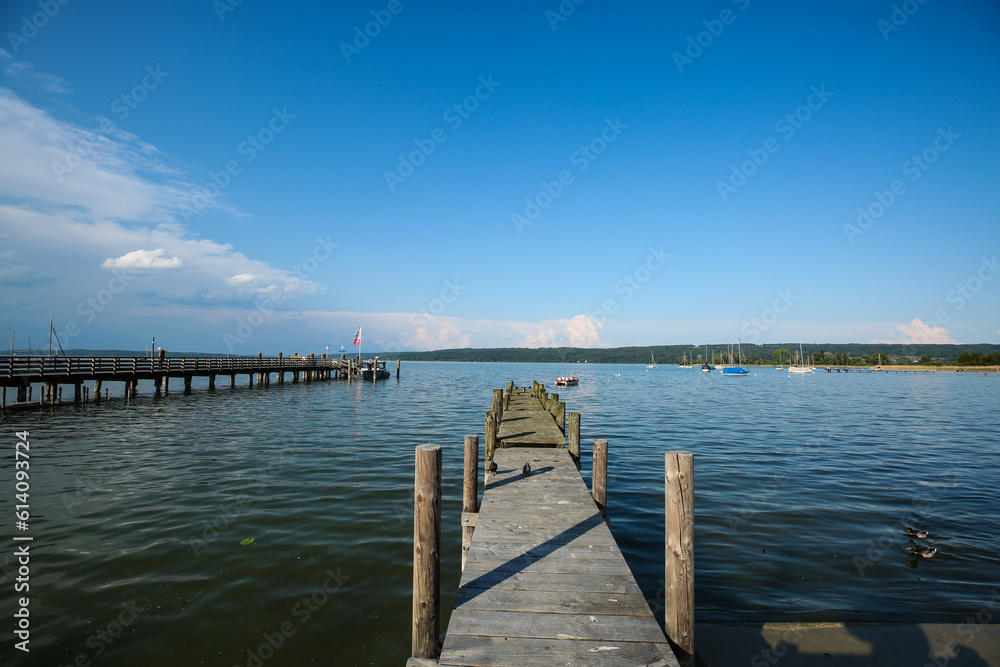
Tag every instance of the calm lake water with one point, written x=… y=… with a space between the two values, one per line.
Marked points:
x=803 y=488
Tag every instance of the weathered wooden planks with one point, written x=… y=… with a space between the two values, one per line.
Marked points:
x=545 y=582
x=526 y=423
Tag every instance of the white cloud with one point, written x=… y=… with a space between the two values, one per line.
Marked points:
x=18 y=69
x=143 y=260
x=578 y=331
x=119 y=196
x=918 y=332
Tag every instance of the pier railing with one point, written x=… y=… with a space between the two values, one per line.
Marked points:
x=18 y=367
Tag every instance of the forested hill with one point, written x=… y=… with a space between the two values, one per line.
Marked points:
x=822 y=353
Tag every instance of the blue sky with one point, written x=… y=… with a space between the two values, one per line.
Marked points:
x=264 y=178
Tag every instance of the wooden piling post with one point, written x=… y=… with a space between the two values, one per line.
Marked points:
x=78 y=392
x=187 y=384
x=97 y=391
x=426 y=553
x=679 y=579
x=397 y=369
x=561 y=416
x=470 y=493
x=574 y=436
x=491 y=435
x=599 y=481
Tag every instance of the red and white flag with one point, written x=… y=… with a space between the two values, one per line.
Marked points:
x=357 y=337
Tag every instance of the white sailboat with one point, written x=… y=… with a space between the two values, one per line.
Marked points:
x=801 y=369
x=653 y=359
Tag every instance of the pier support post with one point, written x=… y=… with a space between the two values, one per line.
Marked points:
x=97 y=391
x=158 y=384
x=250 y=380
x=561 y=416
x=497 y=406
x=211 y=383
x=679 y=580
x=551 y=405
x=166 y=384
x=232 y=381
x=470 y=493
x=78 y=392
x=599 y=480
x=187 y=384
x=22 y=394
x=491 y=435
x=574 y=437
x=426 y=553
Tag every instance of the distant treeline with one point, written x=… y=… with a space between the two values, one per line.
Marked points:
x=981 y=354
x=825 y=354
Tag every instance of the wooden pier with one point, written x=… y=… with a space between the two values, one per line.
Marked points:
x=543 y=581
x=20 y=373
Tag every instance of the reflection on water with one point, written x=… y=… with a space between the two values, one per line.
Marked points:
x=804 y=489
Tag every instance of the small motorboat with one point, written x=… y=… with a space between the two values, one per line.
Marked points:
x=368 y=366
x=567 y=382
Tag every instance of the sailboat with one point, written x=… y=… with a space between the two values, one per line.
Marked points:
x=801 y=369
x=685 y=363
x=738 y=370
x=653 y=359
x=707 y=367
x=779 y=367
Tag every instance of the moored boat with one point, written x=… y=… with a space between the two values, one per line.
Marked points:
x=567 y=381
x=374 y=365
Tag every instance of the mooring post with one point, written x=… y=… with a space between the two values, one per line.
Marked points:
x=679 y=579
x=470 y=493
x=97 y=391
x=561 y=416
x=574 y=437
x=397 y=369
x=426 y=552
x=491 y=435
x=599 y=482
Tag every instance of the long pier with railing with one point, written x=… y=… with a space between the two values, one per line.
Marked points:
x=21 y=372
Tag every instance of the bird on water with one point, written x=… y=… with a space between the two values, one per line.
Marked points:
x=526 y=469
x=917 y=532
x=923 y=552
